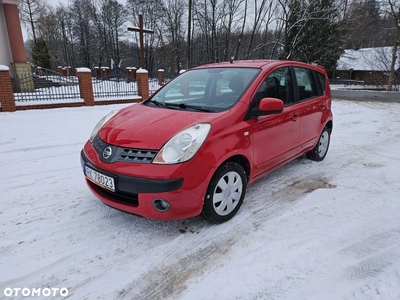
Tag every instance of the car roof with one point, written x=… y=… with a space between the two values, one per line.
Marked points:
x=257 y=63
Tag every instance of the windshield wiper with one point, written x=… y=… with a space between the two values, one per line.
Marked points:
x=200 y=108
x=155 y=102
x=189 y=107
x=160 y=104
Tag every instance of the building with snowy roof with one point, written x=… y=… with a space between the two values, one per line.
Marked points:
x=369 y=65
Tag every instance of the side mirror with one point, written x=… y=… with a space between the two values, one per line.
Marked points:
x=268 y=106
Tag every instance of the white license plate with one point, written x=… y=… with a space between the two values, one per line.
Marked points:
x=100 y=179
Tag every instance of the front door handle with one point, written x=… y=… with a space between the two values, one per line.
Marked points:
x=294 y=118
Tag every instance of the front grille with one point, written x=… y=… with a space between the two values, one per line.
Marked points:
x=143 y=156
x=137 y=155
x=122 y=197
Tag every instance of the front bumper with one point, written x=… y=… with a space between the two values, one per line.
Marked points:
x=137 y=185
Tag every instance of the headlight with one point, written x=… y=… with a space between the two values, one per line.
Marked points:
x=101 y=123
x=184 y=145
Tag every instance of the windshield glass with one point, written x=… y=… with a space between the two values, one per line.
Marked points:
x=211 y=90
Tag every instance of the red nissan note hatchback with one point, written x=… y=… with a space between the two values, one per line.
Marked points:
x=193 y=146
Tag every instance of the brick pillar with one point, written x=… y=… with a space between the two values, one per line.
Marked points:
x=6 y=93
x=133 y=71
x=143 y=83
x=60 y=71
x=105 y=71
x=85 y=85
x=128 y=75
x=160 y=77
x=97 y=73
x=69 y=70
x=185 y=88
x=131 y=74
x=40 y=71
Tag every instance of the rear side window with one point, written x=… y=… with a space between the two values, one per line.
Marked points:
x=305 y=83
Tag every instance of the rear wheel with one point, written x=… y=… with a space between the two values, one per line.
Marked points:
x=321 y=148
x=225 y=193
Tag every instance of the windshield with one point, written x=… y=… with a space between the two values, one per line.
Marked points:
x=210 y=90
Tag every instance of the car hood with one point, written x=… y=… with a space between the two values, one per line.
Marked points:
x=145 y=127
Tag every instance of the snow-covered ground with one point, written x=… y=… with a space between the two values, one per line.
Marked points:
x=323 y=231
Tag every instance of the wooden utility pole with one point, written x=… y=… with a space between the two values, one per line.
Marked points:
x=189 y=43
x=141 y=32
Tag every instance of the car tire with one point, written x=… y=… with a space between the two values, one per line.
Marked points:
x=225 y=193
x=321 y=148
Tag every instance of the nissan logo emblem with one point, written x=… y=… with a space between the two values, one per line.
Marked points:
x=107 y=152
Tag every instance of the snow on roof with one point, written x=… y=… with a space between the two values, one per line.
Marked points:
x=367 y=59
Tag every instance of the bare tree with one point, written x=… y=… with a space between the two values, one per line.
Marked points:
x=260 y=11
x=174 y=11
x=242 y=29
x=30 y=13
x=393 y=12
x=231 y=18
x=153 y=19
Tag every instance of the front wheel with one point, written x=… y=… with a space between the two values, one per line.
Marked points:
x=225 y=193
x=321 y=148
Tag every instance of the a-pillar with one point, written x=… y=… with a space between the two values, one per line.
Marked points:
x=19 y=65
x=6 y=93
x=85 y=85
x=160 y=77
x=143 y=83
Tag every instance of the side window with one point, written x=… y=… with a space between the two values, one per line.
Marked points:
x=276 y=85
x=305 y=83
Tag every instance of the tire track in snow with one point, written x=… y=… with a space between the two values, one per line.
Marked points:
x=266 y=198
x=48 y=267
x=373 y=254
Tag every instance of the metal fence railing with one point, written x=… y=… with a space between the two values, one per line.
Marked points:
x=116 y=84
x=153 y=85
x=46 y=86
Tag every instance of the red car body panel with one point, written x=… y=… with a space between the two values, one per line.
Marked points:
x=265 y=143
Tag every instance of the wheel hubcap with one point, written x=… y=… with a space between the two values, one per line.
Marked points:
x=227 y=193
x=323 y=144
